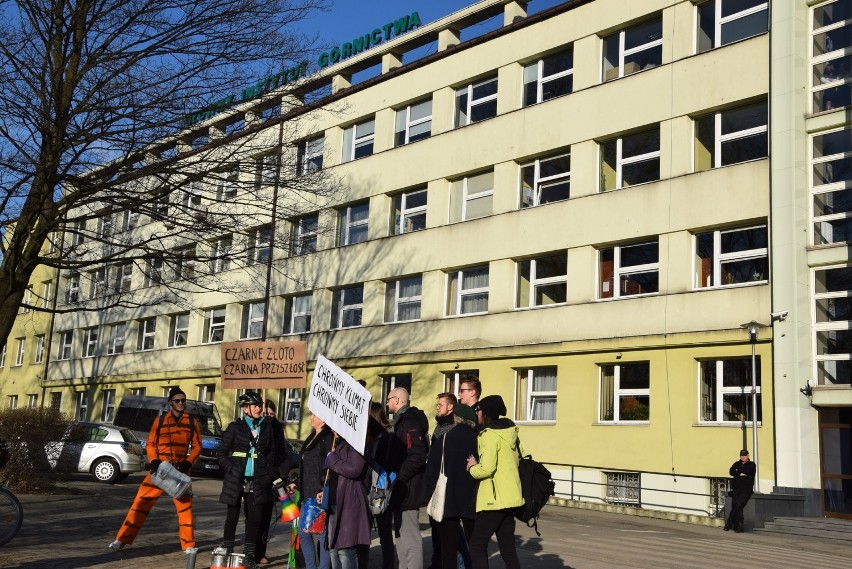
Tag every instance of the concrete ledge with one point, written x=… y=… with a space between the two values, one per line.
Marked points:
x=641 y=512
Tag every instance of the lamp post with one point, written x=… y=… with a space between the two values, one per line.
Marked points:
x=753 y=328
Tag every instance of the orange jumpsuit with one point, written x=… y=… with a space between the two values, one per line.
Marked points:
x=175 y=443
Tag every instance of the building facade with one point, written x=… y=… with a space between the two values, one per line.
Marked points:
x=577 y=207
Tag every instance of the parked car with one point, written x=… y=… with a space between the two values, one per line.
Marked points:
x=109 y=453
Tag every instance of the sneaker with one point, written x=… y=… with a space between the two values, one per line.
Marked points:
x=116 y=545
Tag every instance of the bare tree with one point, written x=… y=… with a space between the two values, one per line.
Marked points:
x=102 y=172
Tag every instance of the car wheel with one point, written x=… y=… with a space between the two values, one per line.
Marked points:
x=105 y=470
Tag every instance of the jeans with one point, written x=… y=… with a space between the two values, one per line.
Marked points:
x=489 y=522
x=345 y=558
x=314 y=550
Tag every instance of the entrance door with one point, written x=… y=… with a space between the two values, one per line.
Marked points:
x=835 y=428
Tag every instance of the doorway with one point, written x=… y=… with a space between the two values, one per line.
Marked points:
x=835 y=430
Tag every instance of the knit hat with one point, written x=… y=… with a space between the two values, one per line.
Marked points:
x=465 y=412
x=175 y=391
x=492 y=406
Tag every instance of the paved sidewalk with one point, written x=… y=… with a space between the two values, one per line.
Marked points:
x=72 y=531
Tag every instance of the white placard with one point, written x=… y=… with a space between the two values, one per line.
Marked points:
x=341 y=402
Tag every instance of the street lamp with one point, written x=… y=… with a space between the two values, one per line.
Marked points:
x=753 y=328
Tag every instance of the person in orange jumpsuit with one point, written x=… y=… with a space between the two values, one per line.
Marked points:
x=178 y=440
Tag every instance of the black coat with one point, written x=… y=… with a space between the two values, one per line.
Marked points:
x=461 y=486
x=311 y=467
x=408 y=459
x=271 y=461
x=743 y=484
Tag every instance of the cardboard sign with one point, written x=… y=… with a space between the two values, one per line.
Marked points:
x=263 y=365
x=340 y=401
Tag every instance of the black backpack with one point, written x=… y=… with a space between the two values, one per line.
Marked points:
x=536 y=487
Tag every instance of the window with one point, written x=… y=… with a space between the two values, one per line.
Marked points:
x=117 y=334
x=476 y=102
x=81 y=408
x=472 y=197
x=220 y=254
x=105 y=226
x=192 y=197
x=66 y=342
x=214 y=325
x=625 y=392
x=628 y=270
x=409 y=210
x=123 y=277
x=32 y=400
x=346 y=307
x=297 y=314
x=265 y=168
x=46 y=293
x=108 y=405
x=56 y=400
x=90 y=342
x=542 y=281
x=546 y=180
x=13 y=402
x=154 y=271
x=731 y=256
x=184 y=262
x=633 y=49
x=413 y=123
x=833 y=325
x=161 y=208
x=138 y=391
x=97 y=282
x=206 y=392
x=260 y=248
x=19 y=351
x=831 y=185
x=228 y=184
x=310 y=154
x=453 y=380
x=832 y=37
x=725 y=387
x=624 y=489
x=731 y=136
x=467 y=291
x=78 y=233
x=549 y=77
x=147 y=334
x=358 y=140
x=251 y=325
x=721 y=22
x=402 y=299
x=27 y=300
x=535 y=394
x=130 y=219
x=179 y=330
x=293 y=406
x=72 y=288
x=630 y=159
x=3 y=356
x=354 y=220
x=305 y=232
x=39 y=350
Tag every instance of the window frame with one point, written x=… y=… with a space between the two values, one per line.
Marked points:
x=540 y=80
x=90 y=342
x=179 y=330
x=827 y=84
x=393 y=300
x=310 y=154
x=38 y=357
x=526 y=398
x=719 y=258
x=717 y=398
x=260 y=250
x=535 y=282
x=540 y=182
x=618 y=270
x=220 y=253
x=720 y=139
x=830 y=327
x=214 y=324
x=454 y=301
x=402 y=213
x=123 y=277
x=72 y=291
x=66 y=345
x=827 y=190
x=403 y=119
x=344 y=216
x=20 y=351
x=460 y=197
x=340 y=308
x=146 y=330
x=621 y=161
x=623 y=53
x=227 y=187
x=466 y=92
x=719 y=21
x=253 y=314
x=107 y=405
x=352 y=141
x=116 y=341
x=292 y=315
x=618 y=393
x=305 y=237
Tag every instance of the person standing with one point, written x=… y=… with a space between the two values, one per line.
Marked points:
x=742 y=483
x=312 y=473
x=174 y=437
x=252 y=449
x=349 y=522
x=470 y=390
x=444 y=421
x=500 y=485
x=452 y=447
x=411 y=428
x=379 y=449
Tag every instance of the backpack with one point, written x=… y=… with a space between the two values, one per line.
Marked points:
x=381 y=485
x=536 y=487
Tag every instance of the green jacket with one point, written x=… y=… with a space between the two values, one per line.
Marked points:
x=497 y=470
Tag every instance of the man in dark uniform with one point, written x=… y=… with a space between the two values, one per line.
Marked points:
x=742 y=472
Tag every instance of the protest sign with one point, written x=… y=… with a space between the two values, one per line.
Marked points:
x=341 y=402
x=263 y=365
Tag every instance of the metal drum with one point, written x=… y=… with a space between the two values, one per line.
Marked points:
x=236 y=561
x=220 y=559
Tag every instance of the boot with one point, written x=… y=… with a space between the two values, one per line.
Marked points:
x=739 y=528
x=250 y=562
x=728 y=524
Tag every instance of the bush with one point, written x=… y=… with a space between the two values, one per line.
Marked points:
x=31 y=435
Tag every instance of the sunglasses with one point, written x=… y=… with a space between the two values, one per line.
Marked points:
x=179 y=401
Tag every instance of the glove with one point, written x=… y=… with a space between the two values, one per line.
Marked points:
x=184 y=466
x=155 y=464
